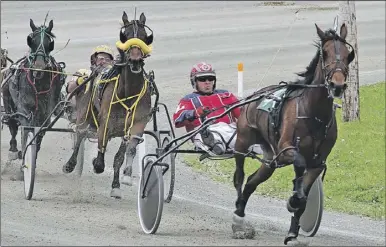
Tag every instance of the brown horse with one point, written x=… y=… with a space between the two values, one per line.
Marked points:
x=122 y=107
x=301 y=129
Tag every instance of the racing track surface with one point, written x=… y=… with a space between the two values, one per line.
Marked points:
x=67 y=211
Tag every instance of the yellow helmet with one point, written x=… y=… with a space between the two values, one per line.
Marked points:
x=101 y=49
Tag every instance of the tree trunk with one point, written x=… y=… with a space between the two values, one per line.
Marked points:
x=350 y=101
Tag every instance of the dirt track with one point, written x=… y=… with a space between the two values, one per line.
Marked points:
x=67 y=211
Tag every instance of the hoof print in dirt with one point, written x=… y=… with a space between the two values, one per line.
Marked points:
x=296 y=242
x=241 y=229
x=116 y=193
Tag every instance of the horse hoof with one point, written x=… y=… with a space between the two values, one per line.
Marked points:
x=116 y=193
x=242 y=229
x=127 y=180
x=289 y=207
x=68 y=167
x=13 y=155
x=292 y=241
x=98 y=169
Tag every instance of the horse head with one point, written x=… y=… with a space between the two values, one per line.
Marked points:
x=135 y=43
x=41 y=44
x=335 y=59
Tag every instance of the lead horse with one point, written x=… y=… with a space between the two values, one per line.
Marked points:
x=301 y=129
x=123 y=107
x=32 y=86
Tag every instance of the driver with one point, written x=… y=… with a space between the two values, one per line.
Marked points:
x=101 y=59
x=207 y=101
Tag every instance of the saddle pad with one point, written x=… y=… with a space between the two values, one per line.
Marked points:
x=268 y=104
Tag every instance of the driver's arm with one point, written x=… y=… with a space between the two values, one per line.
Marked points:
x=185 y=113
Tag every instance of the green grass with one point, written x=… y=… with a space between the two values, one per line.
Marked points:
x=355 y=179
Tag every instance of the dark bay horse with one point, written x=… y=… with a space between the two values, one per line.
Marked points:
x=127 y=119
x=301 y=130
x=34 y=84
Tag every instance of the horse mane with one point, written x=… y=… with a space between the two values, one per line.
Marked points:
x=308 y=74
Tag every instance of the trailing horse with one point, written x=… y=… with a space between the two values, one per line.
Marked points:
x=32 y=86
x=117 y=104
x=296 y=126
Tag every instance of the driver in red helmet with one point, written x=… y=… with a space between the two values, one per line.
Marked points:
x=204 y=102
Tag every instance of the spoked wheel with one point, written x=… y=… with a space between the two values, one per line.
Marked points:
x=29 y=165
x=169 y=176
x=150 y=203
x=312 y=216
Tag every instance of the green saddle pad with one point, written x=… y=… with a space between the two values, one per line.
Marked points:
x=268 y=104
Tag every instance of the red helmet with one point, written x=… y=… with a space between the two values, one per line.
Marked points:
x=201 y=69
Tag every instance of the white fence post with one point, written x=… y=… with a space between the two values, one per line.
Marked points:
x=141 y=154
x=240 y=88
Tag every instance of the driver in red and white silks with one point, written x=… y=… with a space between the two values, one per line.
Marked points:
x=205 y=102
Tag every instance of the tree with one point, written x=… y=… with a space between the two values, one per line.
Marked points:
x=350 y=101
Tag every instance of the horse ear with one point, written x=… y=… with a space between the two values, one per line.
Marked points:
x=142 y=18
x=32 y=25
x=343 y=31
x=50 y=26
x=319 y=32
x=125 y=19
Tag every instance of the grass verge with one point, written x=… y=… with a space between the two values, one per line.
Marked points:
x=355 y=179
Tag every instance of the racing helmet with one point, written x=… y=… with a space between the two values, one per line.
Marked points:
x=101 y=49
x=202 y=69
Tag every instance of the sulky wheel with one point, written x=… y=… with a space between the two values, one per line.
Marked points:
x=169 y=176
x=29 y=163
x=150 y=203
x=312 y=216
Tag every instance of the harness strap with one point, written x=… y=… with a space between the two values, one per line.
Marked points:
x=129 y=110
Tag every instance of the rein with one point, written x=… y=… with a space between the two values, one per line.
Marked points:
x=32 y=83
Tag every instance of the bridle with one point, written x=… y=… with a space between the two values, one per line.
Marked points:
x=126 y=60
x=339 y=65
x=40 y=50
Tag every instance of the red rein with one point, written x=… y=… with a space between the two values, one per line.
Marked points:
x=53 y=76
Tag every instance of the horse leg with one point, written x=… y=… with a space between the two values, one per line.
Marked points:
x=13 y=153
x=81 y=120
x=302 y=187
x=118 y=161
x=131 y=150
x=99 y=161
x=240 y=228
x=299 y=172
x=103 y=137
x=71 y=163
